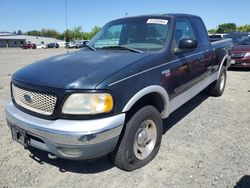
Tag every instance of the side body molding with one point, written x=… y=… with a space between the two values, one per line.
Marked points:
x=150 y=89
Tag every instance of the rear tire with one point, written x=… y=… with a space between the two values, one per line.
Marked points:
x=217 y=88
x=141 y=140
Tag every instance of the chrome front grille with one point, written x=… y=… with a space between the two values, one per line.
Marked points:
x=38 y=102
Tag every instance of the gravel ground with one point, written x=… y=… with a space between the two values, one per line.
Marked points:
x=206 y=143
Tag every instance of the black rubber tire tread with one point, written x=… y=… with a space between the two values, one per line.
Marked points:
x=124 y=157
x=214 y=88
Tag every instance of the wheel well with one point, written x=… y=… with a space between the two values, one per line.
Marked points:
x=225 y=62
x=153 y=99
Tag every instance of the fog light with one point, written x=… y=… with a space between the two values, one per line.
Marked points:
x=70 y=151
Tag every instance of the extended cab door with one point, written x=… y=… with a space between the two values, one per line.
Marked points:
x=190 y=61
x=209 y=53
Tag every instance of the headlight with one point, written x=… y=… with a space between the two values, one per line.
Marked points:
x=88 y=103
x=247 y=54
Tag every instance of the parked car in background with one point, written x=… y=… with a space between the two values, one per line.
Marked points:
x=85 y=42
x=29 y=46
x=40 y=46
x=78 y=45
x=81 y=44
x=215 y=37
x=241 y=49
x=70 y=45
x=52 y=45
x=62 y=44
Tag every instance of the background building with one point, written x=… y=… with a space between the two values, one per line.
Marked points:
x=11 y=40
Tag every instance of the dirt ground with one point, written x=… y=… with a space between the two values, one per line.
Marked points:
x=206 y=143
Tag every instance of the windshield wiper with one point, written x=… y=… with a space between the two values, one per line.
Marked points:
x=90 y=47
x=123 y=48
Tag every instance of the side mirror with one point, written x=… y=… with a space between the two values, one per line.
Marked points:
x=186 y=45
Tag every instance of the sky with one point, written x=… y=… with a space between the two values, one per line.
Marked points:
x=50 y=14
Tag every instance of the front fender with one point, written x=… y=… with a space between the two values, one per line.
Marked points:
x=150 y=89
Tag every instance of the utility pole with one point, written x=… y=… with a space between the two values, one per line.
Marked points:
x=66 y=22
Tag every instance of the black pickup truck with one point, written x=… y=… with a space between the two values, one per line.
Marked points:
x=111 y=96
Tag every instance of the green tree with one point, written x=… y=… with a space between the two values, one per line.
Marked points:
x=244 y=28
x=49 y=33
x=77 y=33
x=67 y=35
x=33 y=33
x=61 y=36
x=74 y=34
x=19 y=32
x=226 y=28
x=212 y=31
x=93 y=32
x=44 y=33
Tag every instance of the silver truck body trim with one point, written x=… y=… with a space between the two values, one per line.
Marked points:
x=154 y=68
x=175 y=103
x=181 y=99
x=221 y=64
x=68 y=132
x=151 y=89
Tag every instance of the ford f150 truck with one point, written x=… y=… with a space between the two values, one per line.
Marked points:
x=111 y=96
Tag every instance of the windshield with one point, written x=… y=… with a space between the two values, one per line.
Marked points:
x=239 y=39
x=142 y=34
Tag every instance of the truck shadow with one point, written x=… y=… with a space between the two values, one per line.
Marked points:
x=243 y=183
x=64 y=165
x=183 y=111
x=103 y=164
x=234 y=69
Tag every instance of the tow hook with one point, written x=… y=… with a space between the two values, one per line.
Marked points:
x=52 y=156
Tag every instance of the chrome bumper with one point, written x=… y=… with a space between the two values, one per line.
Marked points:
x=92 y=137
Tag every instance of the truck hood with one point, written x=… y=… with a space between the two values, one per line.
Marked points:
x=241 y=48
x=77 y=70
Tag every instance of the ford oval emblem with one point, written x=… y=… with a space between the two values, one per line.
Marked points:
x=27 y=98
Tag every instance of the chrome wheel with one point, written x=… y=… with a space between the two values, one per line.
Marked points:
x=222 y=81
x=145 y=139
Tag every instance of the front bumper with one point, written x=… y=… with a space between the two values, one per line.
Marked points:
x=71 y=139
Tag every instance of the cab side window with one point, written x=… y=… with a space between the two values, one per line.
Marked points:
x=183 y=29
x=202 y=32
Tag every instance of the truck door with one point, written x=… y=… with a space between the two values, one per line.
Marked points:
x=209 y=53
x=190 y=63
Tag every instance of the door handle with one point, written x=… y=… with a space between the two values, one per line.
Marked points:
x=184 y=67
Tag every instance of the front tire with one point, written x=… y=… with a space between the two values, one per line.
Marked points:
x=217 y=88
x=141 y=140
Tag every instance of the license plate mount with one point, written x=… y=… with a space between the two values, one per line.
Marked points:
x=20 y=136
